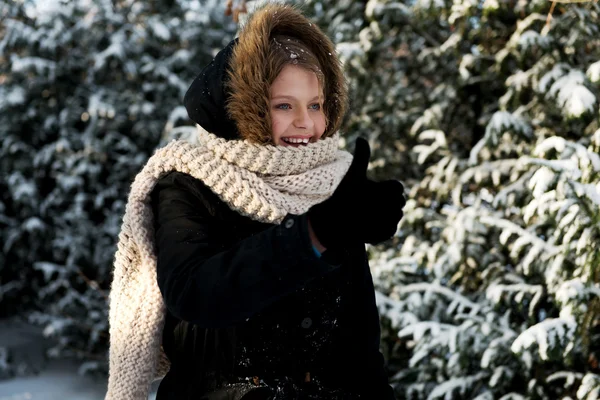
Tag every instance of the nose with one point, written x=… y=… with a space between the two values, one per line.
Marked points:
x=303 y=120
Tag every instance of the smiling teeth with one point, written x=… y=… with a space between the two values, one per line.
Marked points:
x=294 y=140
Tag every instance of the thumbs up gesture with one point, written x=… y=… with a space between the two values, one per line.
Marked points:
x=360 y=209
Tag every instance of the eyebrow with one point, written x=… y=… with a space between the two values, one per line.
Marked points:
x=292 y=98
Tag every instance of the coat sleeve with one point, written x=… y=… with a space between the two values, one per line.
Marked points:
x=212 y=285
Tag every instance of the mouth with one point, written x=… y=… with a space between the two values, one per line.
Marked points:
x=296 y=141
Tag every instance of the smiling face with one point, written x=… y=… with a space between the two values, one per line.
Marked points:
x=296 y=107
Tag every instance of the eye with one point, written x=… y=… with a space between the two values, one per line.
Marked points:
x=284 y=106
x=316 y=106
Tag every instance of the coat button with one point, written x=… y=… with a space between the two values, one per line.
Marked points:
x=289 y=223
x=306 y=323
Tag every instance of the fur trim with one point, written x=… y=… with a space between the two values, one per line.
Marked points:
x=250 y=77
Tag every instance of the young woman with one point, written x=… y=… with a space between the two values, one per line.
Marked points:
x=244 y=256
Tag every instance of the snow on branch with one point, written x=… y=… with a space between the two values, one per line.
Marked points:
x=593 y=72
x=495 y=292
x=502 y=196
x=438 y=289
x=439 y=142
x=393 y=310
x=179 y=113
x=568 y=376
x=556 y=165
x=590 y=387
x=430 y=118
x=589 y=190
x=446 y=389
x=497 y=347
x=529 y=39
x=418 y=330
x=352 y=54
x=559 y=144
x=500 y=122
x=526 y=23
x=548 y=336
x=493 y=170
x=44 y=12
x=377 y=8
x=551 y=76
x=15 y=31
x=36 y=64
x=512 y=228
x=116 y=50
x=540 y=181
x=513 y=396
x=519 y=80
x=503 y=120
x=576 y=290
x=159 y=29
x=433 y=5
x=569 y=91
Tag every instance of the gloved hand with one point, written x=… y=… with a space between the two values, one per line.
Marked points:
x=360 y=209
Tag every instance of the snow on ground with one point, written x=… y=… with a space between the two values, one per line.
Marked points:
x=57 y=381
x=48 y=379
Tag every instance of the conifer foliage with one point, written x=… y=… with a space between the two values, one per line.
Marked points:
x=89 y=88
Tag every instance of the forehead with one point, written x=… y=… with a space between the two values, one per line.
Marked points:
x=293 y=77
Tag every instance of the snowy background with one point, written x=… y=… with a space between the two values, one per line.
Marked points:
x=485 y=110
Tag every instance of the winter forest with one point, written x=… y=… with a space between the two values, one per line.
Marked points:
x=488 y=112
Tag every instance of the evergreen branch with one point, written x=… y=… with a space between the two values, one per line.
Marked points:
x=452 y=384
x=569 y=376
x=436 y=288
x=495 y=292
x=504 y=330
x=518 y=184
x=514 y=228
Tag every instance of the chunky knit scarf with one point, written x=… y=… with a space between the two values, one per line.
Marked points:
x=262 y=182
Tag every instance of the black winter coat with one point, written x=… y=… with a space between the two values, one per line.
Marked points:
x=251 y=301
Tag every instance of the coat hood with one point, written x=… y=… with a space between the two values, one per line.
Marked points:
x=250 y=75
x=205 y=99
x=230 y=97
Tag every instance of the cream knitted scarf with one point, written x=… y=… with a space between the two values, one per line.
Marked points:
x=262 y=182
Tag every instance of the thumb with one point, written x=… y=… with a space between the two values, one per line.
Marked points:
x=362 y=154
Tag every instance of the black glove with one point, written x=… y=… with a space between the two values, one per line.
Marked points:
x=359 y=209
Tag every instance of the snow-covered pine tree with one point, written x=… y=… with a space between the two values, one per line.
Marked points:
x=88 y=90
x=490 y=289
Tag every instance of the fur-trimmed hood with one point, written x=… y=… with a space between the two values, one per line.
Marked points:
x=230 y=97
x=250 y=77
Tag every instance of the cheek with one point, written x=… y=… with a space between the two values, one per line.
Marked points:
x=279 y=125
x=320 y=125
